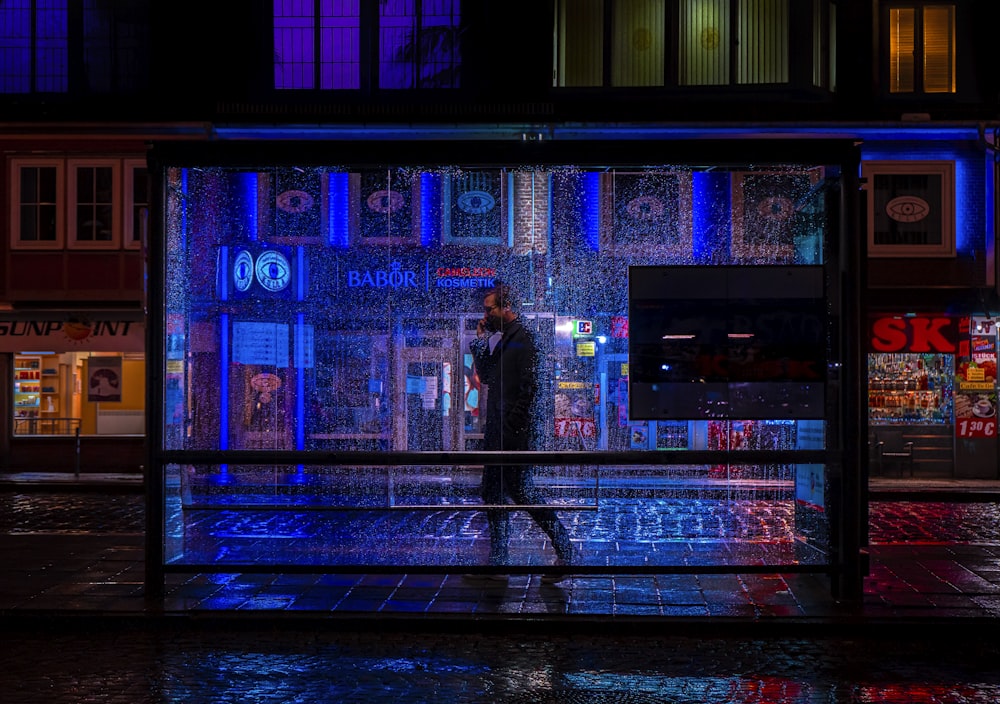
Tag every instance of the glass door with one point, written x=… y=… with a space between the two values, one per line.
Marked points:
x=427 y=399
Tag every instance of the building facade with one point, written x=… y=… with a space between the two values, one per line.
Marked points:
x=389 y=160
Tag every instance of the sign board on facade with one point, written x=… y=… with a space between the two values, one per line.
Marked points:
x=916 y=333
x=73 y=335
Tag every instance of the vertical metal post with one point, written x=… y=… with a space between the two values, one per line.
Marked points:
x=155 y=335
x=853 y=534
x=76 y=469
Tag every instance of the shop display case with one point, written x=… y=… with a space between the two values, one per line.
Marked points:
x=27 y=397
x=910 y=388
x=36 y=396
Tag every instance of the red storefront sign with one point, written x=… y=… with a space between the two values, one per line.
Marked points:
x=918 y=333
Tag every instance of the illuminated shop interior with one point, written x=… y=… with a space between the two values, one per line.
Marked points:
x=86 y=393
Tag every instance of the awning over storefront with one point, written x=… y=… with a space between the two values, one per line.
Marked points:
x=98 y=332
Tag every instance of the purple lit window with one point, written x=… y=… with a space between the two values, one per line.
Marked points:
x=418 y=44
x=317 y=44
x=33 y=46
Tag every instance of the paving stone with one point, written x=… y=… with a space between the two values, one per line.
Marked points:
x=78 y=626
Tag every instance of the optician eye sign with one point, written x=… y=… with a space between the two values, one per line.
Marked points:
x=243 y=271
x=272 y=271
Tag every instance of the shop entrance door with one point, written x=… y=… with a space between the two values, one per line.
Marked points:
x=427 y=396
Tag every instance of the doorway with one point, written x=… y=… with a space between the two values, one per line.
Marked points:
x=426 y=390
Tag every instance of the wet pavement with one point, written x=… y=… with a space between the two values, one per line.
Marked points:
x=79 y=628
x=184 y=663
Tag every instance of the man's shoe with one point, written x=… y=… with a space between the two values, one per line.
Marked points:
x=561 y=562
x=486 y=577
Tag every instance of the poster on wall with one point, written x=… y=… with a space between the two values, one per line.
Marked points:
x=975 y=390
x=574 y=414
x=104 y=380
x=766 y=211
x=909 y=207
x=385 y=207
x=475 y=206
x=649 y=211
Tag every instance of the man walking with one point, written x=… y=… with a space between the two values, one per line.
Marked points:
x=506 y=358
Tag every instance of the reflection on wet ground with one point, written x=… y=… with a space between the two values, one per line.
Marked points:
x=205 y=664
x=72 y=512
x=889 y=521
x=98 y=644
x=623 y=532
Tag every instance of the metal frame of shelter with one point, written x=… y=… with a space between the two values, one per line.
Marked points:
x=843 y=457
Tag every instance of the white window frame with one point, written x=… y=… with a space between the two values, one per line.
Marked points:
x=944 y=169
x=130 y=239
x=14 y=172
x=116 y=209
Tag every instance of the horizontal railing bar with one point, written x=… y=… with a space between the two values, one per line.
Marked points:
x=341 y=508
x=576 y=570
x=493 y=457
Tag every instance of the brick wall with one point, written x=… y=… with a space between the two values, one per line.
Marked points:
x=531 y=212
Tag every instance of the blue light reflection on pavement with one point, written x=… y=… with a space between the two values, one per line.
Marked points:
x=427 y=667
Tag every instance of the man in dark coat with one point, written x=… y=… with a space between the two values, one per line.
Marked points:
x=506 y=359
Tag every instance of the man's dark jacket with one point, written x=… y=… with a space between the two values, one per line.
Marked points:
x=511 y=375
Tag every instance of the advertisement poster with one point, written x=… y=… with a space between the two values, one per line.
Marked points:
x=639 y=437
x=575 y=410
x=975 y=390
x=104 y=380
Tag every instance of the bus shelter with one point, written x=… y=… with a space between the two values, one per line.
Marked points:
x=315 y=402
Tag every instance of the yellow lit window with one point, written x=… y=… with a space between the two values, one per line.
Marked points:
x=922 y=49
x=939 y=49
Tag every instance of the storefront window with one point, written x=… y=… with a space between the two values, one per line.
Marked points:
x=332 y=309
x=69 y=393
x=932 y=387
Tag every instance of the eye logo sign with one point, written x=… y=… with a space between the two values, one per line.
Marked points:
x=646 y=208
x=294 y=201
x=907 y=209
x=272 y=271
x=385 y=201
x=476 y=202
x=776 y=208
x=243 y=271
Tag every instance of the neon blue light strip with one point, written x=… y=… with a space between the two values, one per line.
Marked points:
x=300 y=274
x=300 y=384
x=603 y=131
x=990 y=216
x=430 y=216
x=184 y=208
x=223 y=273
x=710 y=197
x=224 y=381
x=247 y=206
x=338 y=215
x=590 y=210
x=963 y=219
x=700 y=215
